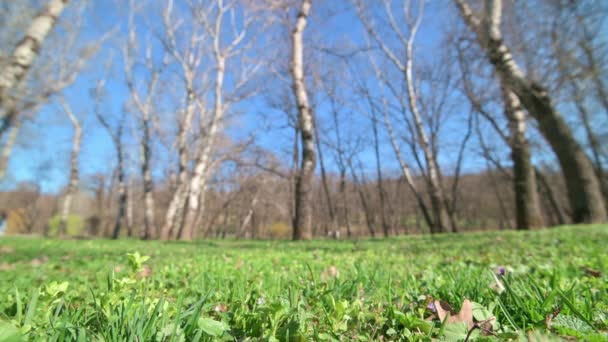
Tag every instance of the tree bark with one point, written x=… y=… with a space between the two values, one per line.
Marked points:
x=73 y=181
x=379 y=182
x=122 y=190
x=369 y=217
x=527 y=206
x=149 y=216
x=556 y=209
x=23 y=57
x=7 y=150
x=581 y=181
x=304 y=185
x=329 y=226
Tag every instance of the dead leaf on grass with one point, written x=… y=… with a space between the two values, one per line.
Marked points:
x=220 y=308
x=36 y=262
x=465 y=315
x=592 y=272
x=118 y=268
x=329 y=273
x=5 y=266
x=6 y=250
x=146 y=271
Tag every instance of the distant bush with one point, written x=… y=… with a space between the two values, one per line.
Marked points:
x=280 y=230
x=17 y=222
x=75 y=225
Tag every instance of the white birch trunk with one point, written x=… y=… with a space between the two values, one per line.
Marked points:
x=22 y=59
x=7 y=150
x=73 y=181
x=303 y=215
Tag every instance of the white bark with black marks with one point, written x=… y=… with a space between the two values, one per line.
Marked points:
x=73 y=180
x=304 y=185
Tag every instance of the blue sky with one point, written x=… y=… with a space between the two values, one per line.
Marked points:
x=43 y=150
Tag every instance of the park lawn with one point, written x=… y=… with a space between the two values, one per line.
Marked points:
x=555 y=285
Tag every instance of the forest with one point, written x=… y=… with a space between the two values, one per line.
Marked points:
x=288 y=119
x=303 y=170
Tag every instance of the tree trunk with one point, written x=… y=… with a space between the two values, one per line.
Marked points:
x=331 y=225
x=129 y=214
x=381 y=193
x=304 y=185
x=369 y=217
x=527 y=205
x=73 y=182
x=7 y=150
x=122 y=192
x=556 y=209
x=23 y=56
x=248 y=217
x=581 y=181
x=436 y=193
x=149 y=225
x=405 y=170
x=178 y=201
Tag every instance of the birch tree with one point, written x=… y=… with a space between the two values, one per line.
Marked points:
x=73 y=180
x=23 y=56
x=583 y=186
x=527 y=205
x=189 y=60
x=143 y=102
x=304 y=185
x=116 y=135
x=442 y=222
x=215 y=32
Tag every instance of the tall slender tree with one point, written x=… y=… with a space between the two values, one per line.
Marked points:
x=584 y=193
x=304 y=185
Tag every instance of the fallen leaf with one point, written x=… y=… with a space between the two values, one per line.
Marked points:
x=39 y=261
x=465 y=315
x=145 y=272
x=5 y=266
x=329 y=273
x=591 y=272
x=220 y=308
x=549 y=318
x=118 y=268
x=6 y=249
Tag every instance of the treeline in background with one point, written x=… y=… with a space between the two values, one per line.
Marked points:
x=187 y=119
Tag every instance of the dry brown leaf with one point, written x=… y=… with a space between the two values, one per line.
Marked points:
x=39 y=261
x=220 y=308
x=145 y=272
x=329 y=273
x=118 y=268
x=465 y=315
x=5 y=266
x=6 y=249
x=592 y=272
x=549 y=318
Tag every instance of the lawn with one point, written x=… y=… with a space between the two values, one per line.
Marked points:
x=547 y=285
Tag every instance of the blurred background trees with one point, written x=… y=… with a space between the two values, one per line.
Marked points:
x=281 y=119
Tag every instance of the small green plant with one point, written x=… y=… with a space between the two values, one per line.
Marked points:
x=498 y=286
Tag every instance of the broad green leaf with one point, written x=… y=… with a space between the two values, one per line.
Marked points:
x=212 y=327
x=9 y=333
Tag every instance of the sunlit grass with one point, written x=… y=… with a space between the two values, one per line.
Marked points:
x=555 y=284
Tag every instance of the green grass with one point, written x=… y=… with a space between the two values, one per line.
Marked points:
x=61 y=290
